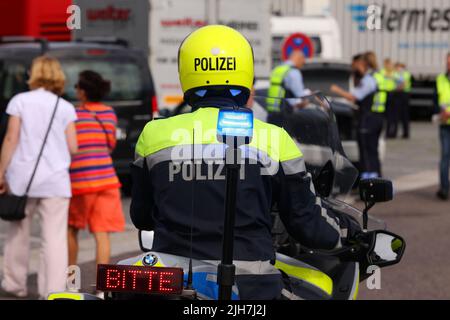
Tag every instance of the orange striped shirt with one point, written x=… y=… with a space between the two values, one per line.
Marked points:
x=92 y=168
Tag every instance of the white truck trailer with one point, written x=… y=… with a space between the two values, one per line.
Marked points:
x=416 y=33
x=159 y=26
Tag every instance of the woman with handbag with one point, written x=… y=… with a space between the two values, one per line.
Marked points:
x=96 y=198
x=34 y=178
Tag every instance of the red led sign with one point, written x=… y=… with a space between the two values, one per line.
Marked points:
x=139 y=279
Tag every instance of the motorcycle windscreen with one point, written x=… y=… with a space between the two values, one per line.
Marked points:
x=311 y=122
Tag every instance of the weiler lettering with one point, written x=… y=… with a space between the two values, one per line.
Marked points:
x=215 y=64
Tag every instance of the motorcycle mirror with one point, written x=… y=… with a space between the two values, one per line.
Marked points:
x=387 y=249
x=375 y=190
x=323 y=183
x=145 y=240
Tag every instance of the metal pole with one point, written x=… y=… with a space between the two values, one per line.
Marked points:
x=226 y=269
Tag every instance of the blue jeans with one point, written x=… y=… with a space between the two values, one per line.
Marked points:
x=444 y=134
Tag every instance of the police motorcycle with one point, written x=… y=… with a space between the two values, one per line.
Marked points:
x=313 y=274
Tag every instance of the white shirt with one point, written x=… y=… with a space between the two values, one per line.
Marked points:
x=368 y=85
x=294 y=81
x=35 y=108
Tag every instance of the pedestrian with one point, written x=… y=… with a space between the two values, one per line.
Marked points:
x=286 y=81
x=31 y=114
x=403 y=78
x=371 y=114
x=442 y=103
x=96 y=189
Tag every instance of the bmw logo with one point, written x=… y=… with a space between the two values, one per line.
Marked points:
x=150 y=259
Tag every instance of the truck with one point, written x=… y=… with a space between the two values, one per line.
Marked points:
x=35 y=18
x=416 y=33
x=159 y=26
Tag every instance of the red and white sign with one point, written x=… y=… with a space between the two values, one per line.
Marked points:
x=297 y=41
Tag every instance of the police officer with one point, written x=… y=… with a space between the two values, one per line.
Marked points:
x=387 y=78
x=169 y=198
x=371 y=59
x=368 y=94
x=403 y=79
x=442 y=102
x=286 y=81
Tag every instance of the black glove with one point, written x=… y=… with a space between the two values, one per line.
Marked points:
x=350 y=224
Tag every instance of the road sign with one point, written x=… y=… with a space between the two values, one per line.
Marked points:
x=297 y=41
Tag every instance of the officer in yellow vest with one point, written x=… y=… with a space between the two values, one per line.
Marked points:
x=286 y=81
x=370 y=95
x=403 y=79
x=389 y=86
x=215 y=66
x=442 y=102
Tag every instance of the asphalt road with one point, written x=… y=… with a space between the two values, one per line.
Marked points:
x=424 y=222
x=415 y=214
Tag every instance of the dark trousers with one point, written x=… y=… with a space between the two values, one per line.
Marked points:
x=404 y=112
x=392 y=114
x=370 y=127
x=444 y=135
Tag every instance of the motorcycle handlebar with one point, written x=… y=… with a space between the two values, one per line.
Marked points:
x=354 y=250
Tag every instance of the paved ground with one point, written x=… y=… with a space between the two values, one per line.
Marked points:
x=415 y=214
x=418 y=154
x=424 y=222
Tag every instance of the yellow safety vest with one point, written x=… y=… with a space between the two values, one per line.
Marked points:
x=276 y=89
x=380 y=97
x=389 y=81
x=406 y=75
x=443 y=91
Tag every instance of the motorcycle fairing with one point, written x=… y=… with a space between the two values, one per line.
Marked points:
x=314 y=283
x=204 y=277
x=318 y=285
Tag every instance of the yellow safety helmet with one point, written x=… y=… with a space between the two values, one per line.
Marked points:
x=216 y=60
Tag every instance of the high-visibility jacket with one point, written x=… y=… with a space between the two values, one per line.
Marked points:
x=276 y=88
x=389 y=83
x=443 y=91
x=274 y=168
x=406 y=76
x=380 y=97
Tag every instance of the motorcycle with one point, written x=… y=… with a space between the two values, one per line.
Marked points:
x=313 y=274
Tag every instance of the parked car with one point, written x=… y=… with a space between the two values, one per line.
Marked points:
x=132 y=92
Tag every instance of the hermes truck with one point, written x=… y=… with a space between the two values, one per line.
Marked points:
x=416 y=33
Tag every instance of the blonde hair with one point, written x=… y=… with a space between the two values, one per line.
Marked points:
x=371 y=59
x=46 y=72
